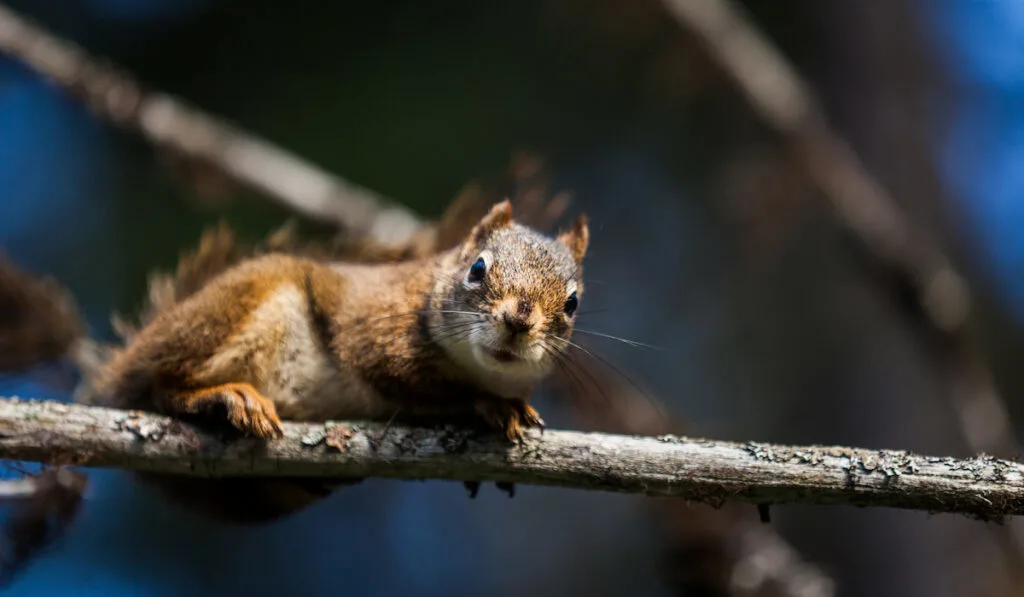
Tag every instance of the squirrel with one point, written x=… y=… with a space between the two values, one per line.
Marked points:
x=467 y=331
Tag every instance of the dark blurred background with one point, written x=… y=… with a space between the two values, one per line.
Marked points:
x=707 y=242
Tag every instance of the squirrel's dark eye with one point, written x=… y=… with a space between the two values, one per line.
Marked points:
x=477 y=271
x=571 y=304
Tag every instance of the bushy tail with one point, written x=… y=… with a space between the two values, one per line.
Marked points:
x=39 y=320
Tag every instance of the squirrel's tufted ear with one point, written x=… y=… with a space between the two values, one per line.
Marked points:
x=577 y=238
x=499 y=217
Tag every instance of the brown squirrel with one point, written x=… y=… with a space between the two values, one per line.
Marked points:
x=466 y=331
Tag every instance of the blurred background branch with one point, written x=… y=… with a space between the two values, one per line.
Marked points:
x=44 y=506
x=913 y=264
x=785 y=103
x=201 y=143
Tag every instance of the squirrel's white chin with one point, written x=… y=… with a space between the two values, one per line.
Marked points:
x=526 y=365
x=499 y=369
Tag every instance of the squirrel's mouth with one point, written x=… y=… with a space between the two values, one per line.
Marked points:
x=503 y=355
x=521 y=364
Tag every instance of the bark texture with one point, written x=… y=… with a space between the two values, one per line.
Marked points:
x=702 y=470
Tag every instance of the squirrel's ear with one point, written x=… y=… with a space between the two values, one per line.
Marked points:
x=577 y=238
x=499 y=217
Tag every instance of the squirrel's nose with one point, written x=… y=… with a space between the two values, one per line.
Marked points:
x=517 y=324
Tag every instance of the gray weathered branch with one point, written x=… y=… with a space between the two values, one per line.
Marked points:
x=170 y=123
x=696 y=469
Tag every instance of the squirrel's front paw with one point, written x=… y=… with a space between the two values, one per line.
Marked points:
x=530 y=416
x=247 y=410
x=510 y=416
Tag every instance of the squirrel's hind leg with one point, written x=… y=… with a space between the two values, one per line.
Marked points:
x=244 y=407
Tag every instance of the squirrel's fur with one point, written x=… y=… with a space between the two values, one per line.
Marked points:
x=251 y=334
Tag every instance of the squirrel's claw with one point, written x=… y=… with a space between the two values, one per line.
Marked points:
x=531 y=417
x=524 y=416
x=514 y=430
x=508 y=488
x=474 y=488
x=510 y=416
x=247 y=410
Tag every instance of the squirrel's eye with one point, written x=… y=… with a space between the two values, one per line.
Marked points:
x=477 y=271
x=571 y=304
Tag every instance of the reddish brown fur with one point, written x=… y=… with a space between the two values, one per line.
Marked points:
x=577 y=238
x=216 y=338
x=168 y=354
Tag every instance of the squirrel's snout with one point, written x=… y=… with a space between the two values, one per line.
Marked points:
x=517 y=315
x=513 y=341
x=516 y=324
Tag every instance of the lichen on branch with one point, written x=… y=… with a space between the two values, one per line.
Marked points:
x=702 y=470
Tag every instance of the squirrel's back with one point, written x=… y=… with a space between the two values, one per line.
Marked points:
x=174 y=349
x=298 y=331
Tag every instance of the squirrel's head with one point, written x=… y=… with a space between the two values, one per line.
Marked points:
x=506 y=308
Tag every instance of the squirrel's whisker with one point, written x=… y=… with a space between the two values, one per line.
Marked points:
x=409 y=314
x=449 y=331
x=576 y=374
x=634 y=343
x=460 y=332
x=619 y=372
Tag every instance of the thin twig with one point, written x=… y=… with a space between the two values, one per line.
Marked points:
x=29 y=487
x=12 y=490
x=695 y=469
x=171 y=124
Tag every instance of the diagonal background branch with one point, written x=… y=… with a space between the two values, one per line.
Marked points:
x=706 y=471
x=785 y=103
x=170 y=123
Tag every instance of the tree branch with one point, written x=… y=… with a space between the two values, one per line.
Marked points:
x=695 y=469
x=785 y=103
x=170 y=123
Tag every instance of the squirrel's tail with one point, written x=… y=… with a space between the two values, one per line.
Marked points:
x=40 y=323
x=39 y=320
